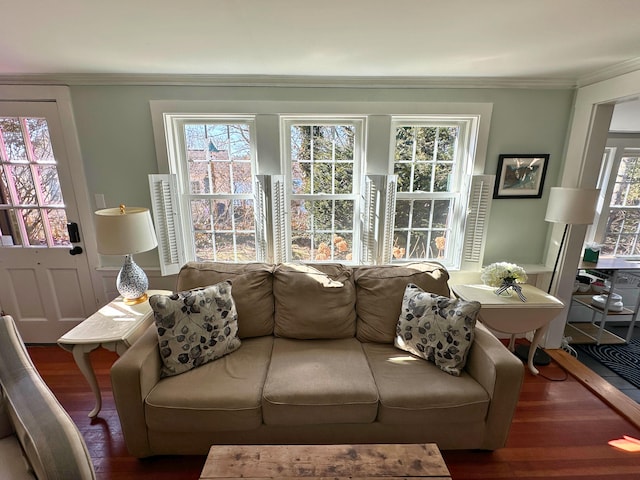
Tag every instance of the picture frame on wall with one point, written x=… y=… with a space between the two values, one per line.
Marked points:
x=520 y=175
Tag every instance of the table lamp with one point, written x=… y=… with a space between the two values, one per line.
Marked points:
x=125 y=231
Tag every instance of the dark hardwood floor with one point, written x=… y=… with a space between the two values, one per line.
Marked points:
x=560 y=430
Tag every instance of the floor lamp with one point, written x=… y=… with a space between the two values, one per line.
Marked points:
x=571 y=206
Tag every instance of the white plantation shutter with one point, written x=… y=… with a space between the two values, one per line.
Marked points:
x=377 y=214
x=279 y=221
x=261 y=209
x=165 y=218
x=475 y=231
x=390 y=186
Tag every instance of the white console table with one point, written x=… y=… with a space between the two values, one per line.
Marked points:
x=115 y=327
x=511 y=315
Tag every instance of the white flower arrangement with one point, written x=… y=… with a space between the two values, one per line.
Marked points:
x=496 y=274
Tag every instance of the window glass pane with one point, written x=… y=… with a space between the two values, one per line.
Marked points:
x=199 y=180
x=442 y=177
x=300 y=142
x=344 y=215
x=11 y=132
x=631 y=222
x=50 y=185
x=246 y=247
x=9 y=226
x=201 y=214
x=322 y=146
x=344 y=178
x=222 y=215
x=58 y=225
x=343 y=247
x=203 y=243
x=422 y=177
x=447 y=138
x=441 y=211
x=425 y=143
x=403 y=171
x=225 y=250
x=421 y=217
x=418 y=245
x=322 y=178
x=221 y=177
x=242 y=181
x=40 y=141
x=402 y=213
x=322 y=214
x=300 y=173
x=300 y=215
x=24 y=185
x=404 y=144
x=400 y=245
x=33 y=223
x=323 y=247
x=344 y=142
x=5 y=198
x=244 y=216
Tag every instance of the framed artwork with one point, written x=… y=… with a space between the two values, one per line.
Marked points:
x=520 y=176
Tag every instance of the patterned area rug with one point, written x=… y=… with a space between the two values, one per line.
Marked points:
x=622 y=359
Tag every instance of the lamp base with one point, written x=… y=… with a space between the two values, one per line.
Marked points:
x=135 y=301
x=132 y=283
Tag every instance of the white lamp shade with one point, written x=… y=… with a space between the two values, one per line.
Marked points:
x=124 y=231
x=572 y=206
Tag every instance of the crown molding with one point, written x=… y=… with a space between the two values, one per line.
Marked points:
x=608 y=73
x=291 y=81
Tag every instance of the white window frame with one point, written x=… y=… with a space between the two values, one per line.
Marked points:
x=460 y=181
x=378 y=115
x=178 y=166
x=618 y=146
x=359 y=166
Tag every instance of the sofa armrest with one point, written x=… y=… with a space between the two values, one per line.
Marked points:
x=133 y=376
x=501 y=374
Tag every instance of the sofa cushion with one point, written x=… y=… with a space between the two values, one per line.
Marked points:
x=438 y=329
x=219 y=396
x=415 y=392
x=195 y=327
x=13 y=462
x=252 y=291
x=379 y=292
x=319 y=382
x=314 y=301
x=6 y=427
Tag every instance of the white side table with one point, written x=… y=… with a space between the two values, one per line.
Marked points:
x=510 y=315
x=115 y=327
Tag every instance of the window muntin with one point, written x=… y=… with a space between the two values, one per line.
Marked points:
x=323 y=177
x=217 y=188
x=32 y=209
x=429 y=159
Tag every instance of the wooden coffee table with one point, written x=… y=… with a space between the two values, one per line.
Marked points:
x=335 y=462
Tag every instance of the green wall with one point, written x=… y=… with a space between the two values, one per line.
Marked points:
x=117 y=143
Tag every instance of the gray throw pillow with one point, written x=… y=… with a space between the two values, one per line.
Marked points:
x=195 y=327
x=438 y=329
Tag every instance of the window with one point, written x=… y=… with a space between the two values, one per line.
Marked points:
x=323 y=175
x=343 y=183
x=31 y=205
x=216 y=163
x=432 y=167
x=618 y=225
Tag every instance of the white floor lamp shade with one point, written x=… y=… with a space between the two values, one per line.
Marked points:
x=125 y=231
x=571 y=206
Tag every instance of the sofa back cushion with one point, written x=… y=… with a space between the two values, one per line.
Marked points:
x=379 y=293
x=314 y=301
x=252 y=291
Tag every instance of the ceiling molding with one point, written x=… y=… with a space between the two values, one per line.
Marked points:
x=616 y=70
x=288 y=81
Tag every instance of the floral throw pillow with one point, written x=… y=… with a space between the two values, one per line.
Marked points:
x=438 y=329
x=195 y=327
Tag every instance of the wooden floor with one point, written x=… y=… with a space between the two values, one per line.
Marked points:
x=560 y=431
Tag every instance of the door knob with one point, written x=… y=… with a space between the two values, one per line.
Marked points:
x=75 y=251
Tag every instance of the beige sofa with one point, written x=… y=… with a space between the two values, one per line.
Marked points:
x=317 y=364
x=38 y=439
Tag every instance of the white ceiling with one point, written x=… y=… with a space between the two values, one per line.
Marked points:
x=565 y=40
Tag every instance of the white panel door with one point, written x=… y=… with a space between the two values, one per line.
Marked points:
x=44 y=287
